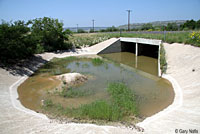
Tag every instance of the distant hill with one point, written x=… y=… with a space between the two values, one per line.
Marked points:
x=154 y=23
x=134 y=25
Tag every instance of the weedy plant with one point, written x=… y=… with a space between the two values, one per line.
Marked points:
x=97 y=61
x=73 y=93
x=195 y=38
x=163 y=62
x=84 y=40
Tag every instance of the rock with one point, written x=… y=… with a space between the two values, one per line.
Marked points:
x=42 y=103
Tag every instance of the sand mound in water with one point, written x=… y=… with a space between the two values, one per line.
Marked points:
x=73 y=78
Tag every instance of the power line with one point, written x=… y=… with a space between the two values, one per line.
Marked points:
x=93 y=24
x=77 y=28
x=129 y=12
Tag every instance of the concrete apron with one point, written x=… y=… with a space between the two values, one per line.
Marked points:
x=178 y=101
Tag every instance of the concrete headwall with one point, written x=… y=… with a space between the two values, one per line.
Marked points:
x=113 y=48
x=138 y=46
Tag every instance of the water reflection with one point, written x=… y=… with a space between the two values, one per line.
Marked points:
x=143 y=63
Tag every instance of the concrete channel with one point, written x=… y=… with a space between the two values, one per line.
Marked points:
x=183 y=114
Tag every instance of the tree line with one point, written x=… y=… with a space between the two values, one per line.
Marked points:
x=22 y=39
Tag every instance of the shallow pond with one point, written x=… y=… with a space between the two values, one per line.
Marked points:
x=139 y=73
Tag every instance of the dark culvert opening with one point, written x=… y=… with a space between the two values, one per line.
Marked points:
x=128 y=47
x=143 y=49
x=148 y=50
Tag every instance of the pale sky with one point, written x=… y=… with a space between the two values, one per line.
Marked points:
x=104 y=12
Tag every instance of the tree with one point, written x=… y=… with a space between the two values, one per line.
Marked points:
x=198 y=24
x=81 y=31
x=172 y=27
x=189 y=24
x=49 y=33
x=16 y=41
x=147 y=26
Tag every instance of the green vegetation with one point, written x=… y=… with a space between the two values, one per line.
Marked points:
x=181 y=37
x=99 y=110
x=110 y=29
x=15 y=41
x=97 y=61
x=119 y=107
x=49 y=33
x=81 y=31
x=190 y=25
x=195 y=38
x=163 y=62
x=73 y=93
x=123 y=98
x=147 y=26
x=48 y=103
x=20 y=40
x=84 y=40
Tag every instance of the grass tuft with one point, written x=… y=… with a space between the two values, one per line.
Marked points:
x=122 y=97
x=72 y=93
x=97 y=61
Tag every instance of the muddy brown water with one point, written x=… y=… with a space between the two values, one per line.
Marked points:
x=153 y=94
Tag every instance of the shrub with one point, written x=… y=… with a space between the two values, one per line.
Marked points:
x=16 y=41
x=20 y=40
x=195 y=38
x=49 y=33
x=81 y=31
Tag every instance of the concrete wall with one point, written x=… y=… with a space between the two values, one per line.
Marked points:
x=142 y=41
x=113 y=48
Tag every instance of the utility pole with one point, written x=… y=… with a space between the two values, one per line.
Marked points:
x=129 y=12
x=77 y=28
x=93 y=24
